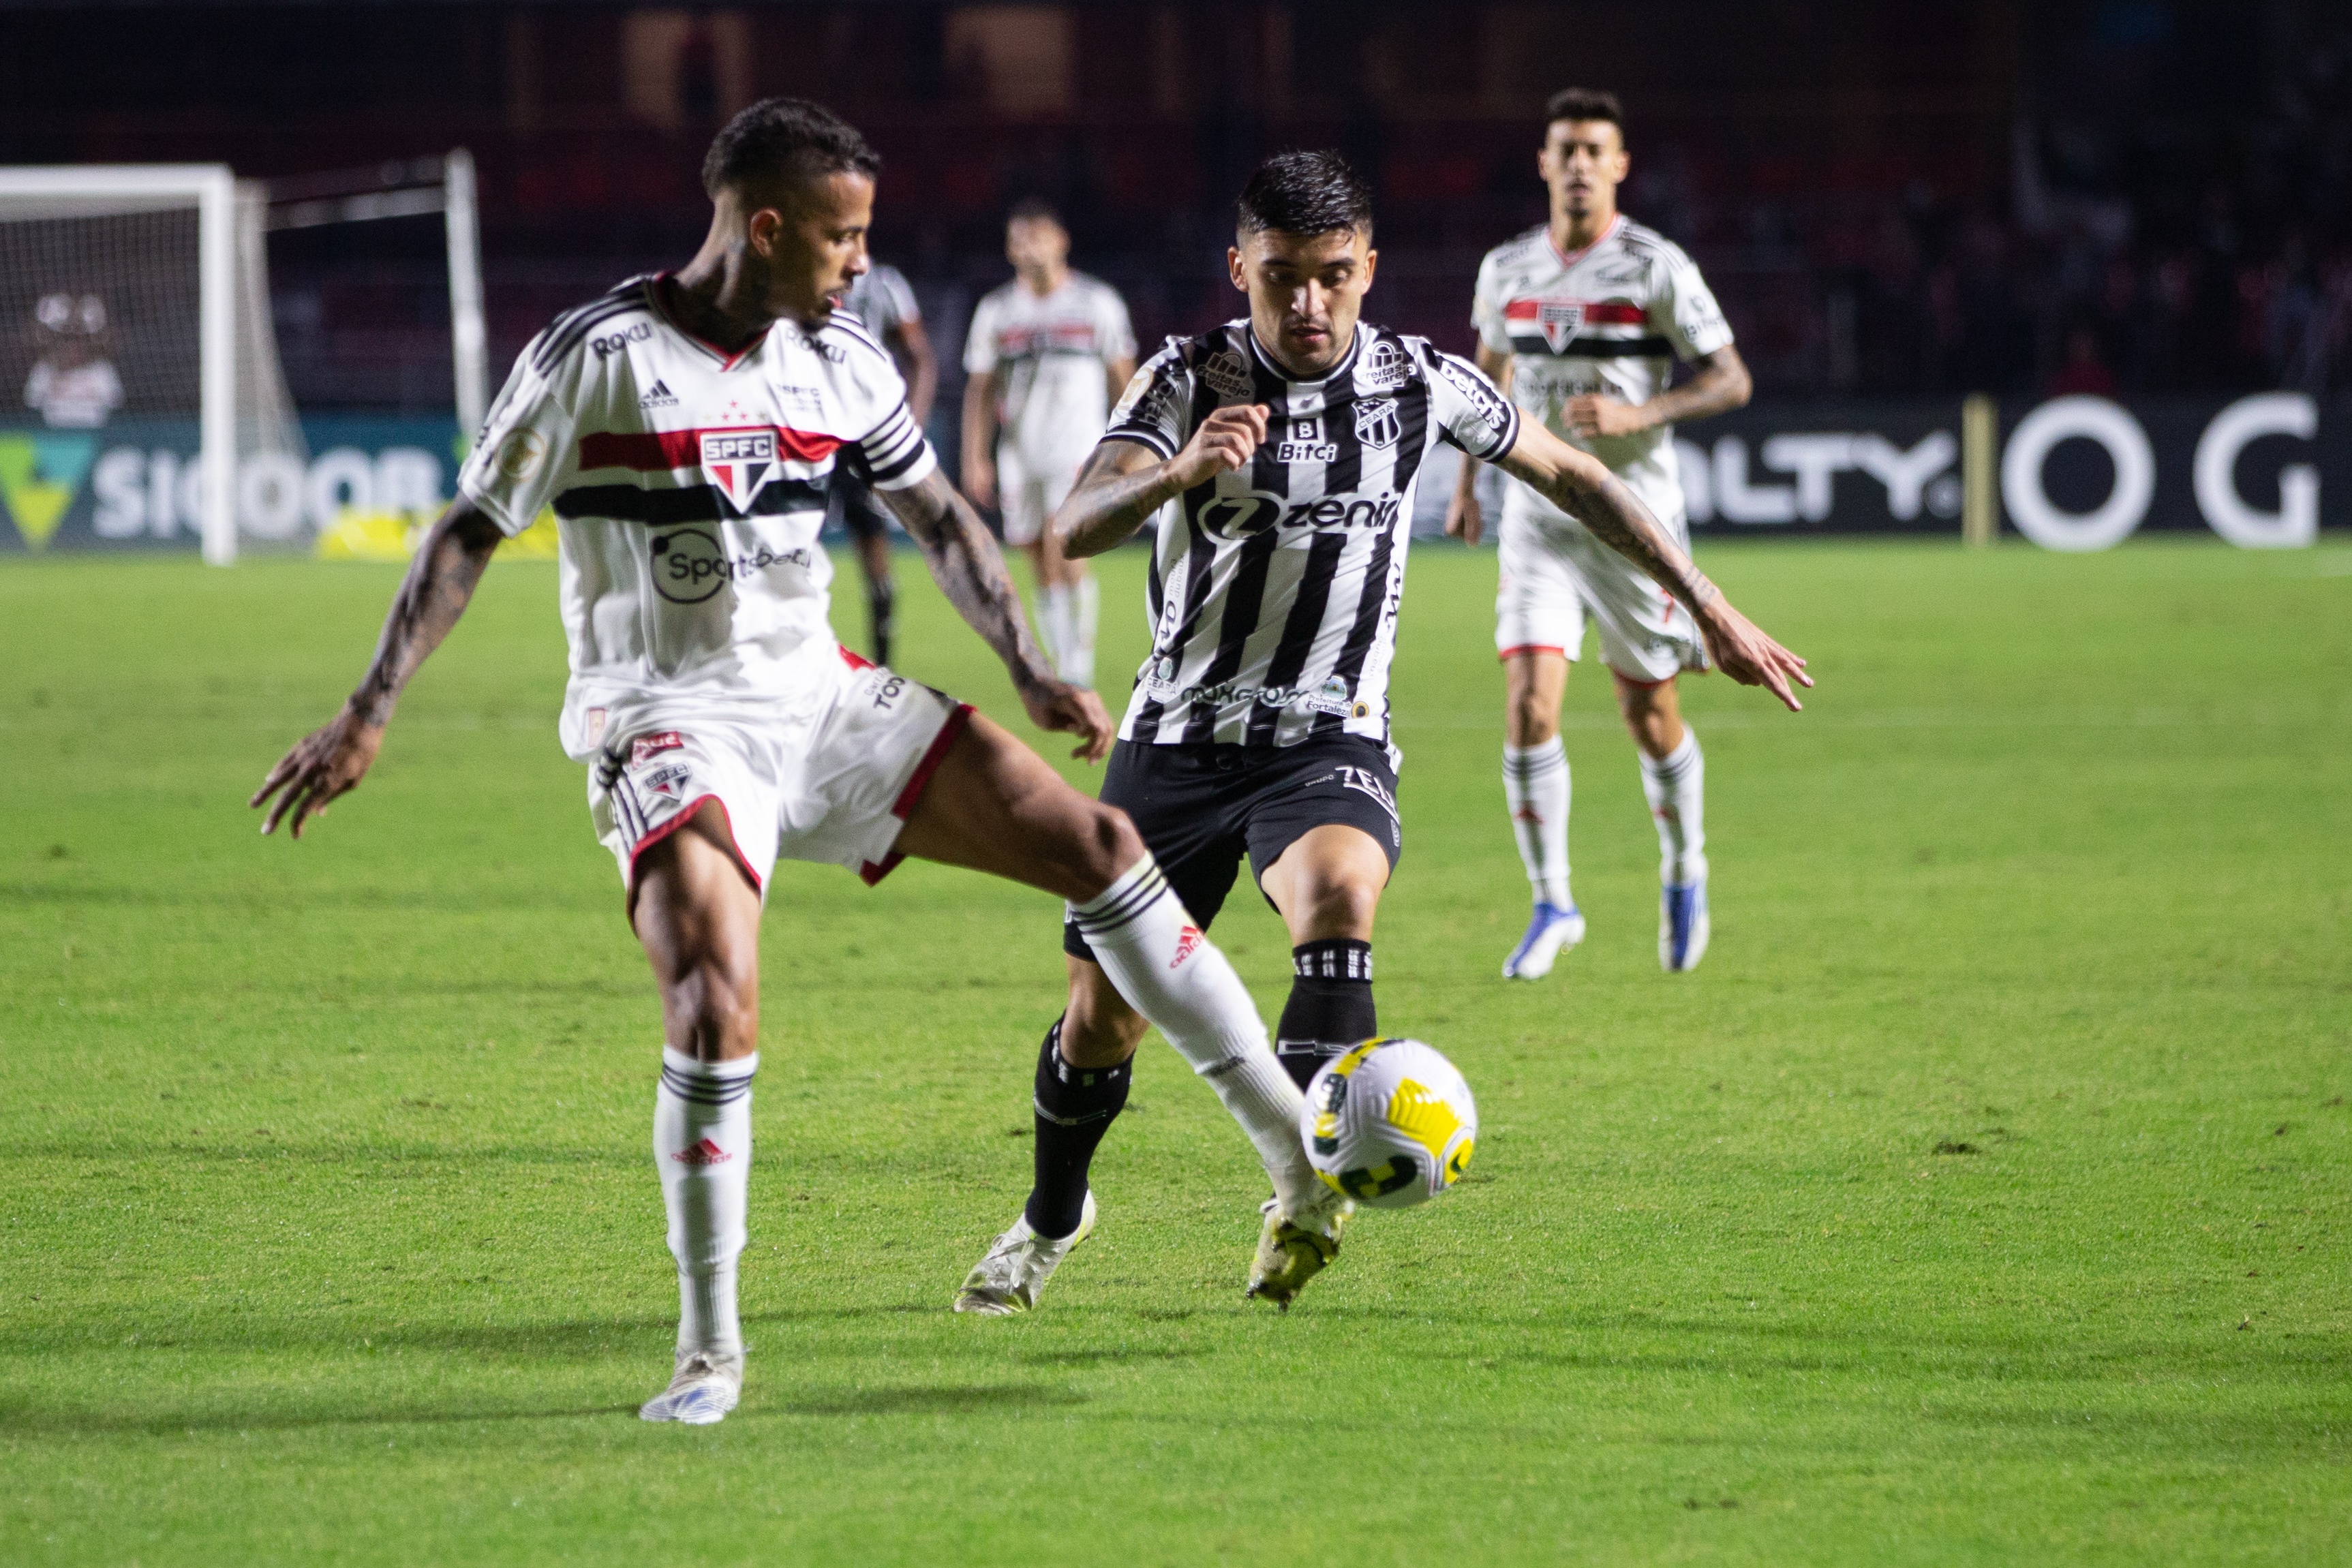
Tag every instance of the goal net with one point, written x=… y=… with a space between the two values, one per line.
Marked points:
x=135 y=333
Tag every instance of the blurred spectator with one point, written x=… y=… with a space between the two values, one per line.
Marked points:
x=73 y=384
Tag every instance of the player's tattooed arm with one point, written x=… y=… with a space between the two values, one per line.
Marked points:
x=970 y=569
x=1579 y=484
x=331 y=760
x=1123 y=484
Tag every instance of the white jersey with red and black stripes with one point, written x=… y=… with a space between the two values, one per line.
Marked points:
x=1274 y=588
x=1610 y=319
x=689 y=486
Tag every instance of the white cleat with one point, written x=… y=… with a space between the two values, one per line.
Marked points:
x=1009 y=1279
x=1551 y=930
x=704 y=1388
x=1683 y=926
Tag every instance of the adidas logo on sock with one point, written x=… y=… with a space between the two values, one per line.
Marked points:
x=705 y=1153
x=660 y=397
x=1188 y=942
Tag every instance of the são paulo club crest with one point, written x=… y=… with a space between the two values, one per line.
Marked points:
x=1559 y=321
x=739 y=462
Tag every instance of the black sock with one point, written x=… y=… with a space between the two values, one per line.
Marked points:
x=1330 y=1009
x=881 y=606
x=1075 y=1106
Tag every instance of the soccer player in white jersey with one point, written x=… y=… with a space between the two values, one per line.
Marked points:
x=1047 y=354
x=683 y=427
x=1279 y=454
x=1582 y=322
x=882 y=300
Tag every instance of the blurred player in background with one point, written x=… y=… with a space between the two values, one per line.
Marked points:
x=722 y=724
x=73 y=384
x=1581 y=321
x=882 y=300
x=1049 y=353
x=1279 y=454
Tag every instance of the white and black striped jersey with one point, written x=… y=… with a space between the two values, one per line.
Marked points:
x=1274 y=589
x=689 y=484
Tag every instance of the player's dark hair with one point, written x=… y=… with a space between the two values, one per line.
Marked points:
x=1584 y=103
x=1036 y=209
x=1304 y=193
x=786 y=139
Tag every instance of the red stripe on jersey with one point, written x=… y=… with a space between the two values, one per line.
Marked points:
x=1597 y=313
x=651 y=451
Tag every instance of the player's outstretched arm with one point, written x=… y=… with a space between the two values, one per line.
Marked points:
x=1578 y=484
x=1123 y=484
x=1465 y=519
x=331 y=761
x=969 y=569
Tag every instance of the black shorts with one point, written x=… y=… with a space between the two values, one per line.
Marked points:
x=852 y=503
x=1201 y=808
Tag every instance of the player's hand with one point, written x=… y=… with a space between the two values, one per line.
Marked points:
x=1741 y=650
x=1465 y=519
x=1593 y=415
x=980 y=481
x=324 y=764
x=1226 y=440
x=1071 y=710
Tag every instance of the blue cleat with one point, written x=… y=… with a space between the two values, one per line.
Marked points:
x=1682 y=924
x=1550 y=929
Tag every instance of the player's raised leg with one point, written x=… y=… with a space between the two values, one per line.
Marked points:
x=698 y=915
x=1674 y=777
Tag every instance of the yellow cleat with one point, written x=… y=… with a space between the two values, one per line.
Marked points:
x=1291 y=1252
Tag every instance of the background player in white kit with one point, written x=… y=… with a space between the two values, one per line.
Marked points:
x=1047 y=354
x=1582 y=322
x=881 y=299
x=683 y=427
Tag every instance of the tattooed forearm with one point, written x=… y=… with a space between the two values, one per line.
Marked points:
x=965 y=563
x=434 y=593
x=1613 y=514
x=1120 y=488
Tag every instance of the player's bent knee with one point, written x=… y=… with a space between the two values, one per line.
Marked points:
x=1109 y=847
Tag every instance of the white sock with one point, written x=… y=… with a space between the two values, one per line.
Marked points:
x=1174 y=976
x=702 y=1144
x=1054 y=624
x=1535 y=787
x=1086 y=615
x=1676 y=785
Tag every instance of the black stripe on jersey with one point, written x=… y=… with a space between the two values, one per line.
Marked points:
x=565 y=333
x=686 y=504
x=1267 y=475
x=1199 y=556
x=893 y=446
x=1345 y=471
x=1244 y=596
x=1595 y=348
x=1299 y=629
x=1371 y=599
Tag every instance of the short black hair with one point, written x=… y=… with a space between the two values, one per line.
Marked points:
x=1036 y=209
x=1584 y=103
x=1304 y=193
x=786 y=139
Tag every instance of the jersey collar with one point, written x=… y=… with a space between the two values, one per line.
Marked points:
x=1345 y=363
x=1570 y=258
x=727 y=361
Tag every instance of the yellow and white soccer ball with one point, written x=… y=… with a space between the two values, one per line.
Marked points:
x=1391 y=1124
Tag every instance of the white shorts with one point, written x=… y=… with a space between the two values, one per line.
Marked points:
x=834 y=786
x=1030 y=499
x=1554 y=574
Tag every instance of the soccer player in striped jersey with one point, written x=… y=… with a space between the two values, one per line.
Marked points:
x=1582 y=322
x=1279 y=454
x=683 y=428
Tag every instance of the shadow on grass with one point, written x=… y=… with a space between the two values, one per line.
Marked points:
x=946 y=1399
x=21 y=1420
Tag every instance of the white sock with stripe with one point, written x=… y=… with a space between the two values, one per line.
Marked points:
x=702 y=1144
x=1676 y=785
x=1536 y=786
x=1174 y=976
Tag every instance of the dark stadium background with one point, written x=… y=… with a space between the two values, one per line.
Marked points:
x=2132 y=196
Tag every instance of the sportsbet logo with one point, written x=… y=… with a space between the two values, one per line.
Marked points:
x=39 y=476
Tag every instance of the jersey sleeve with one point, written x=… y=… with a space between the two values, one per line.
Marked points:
x=1469 y=412
x=526 y=446
x=1685 y=312
x=980 y=344
x=893 y=452
x=1153 y=410
x=1486 y=308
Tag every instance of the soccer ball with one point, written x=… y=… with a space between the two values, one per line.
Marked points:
x=1391 y=1124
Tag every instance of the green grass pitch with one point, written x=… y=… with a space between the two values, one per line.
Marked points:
x=1987 y=1195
